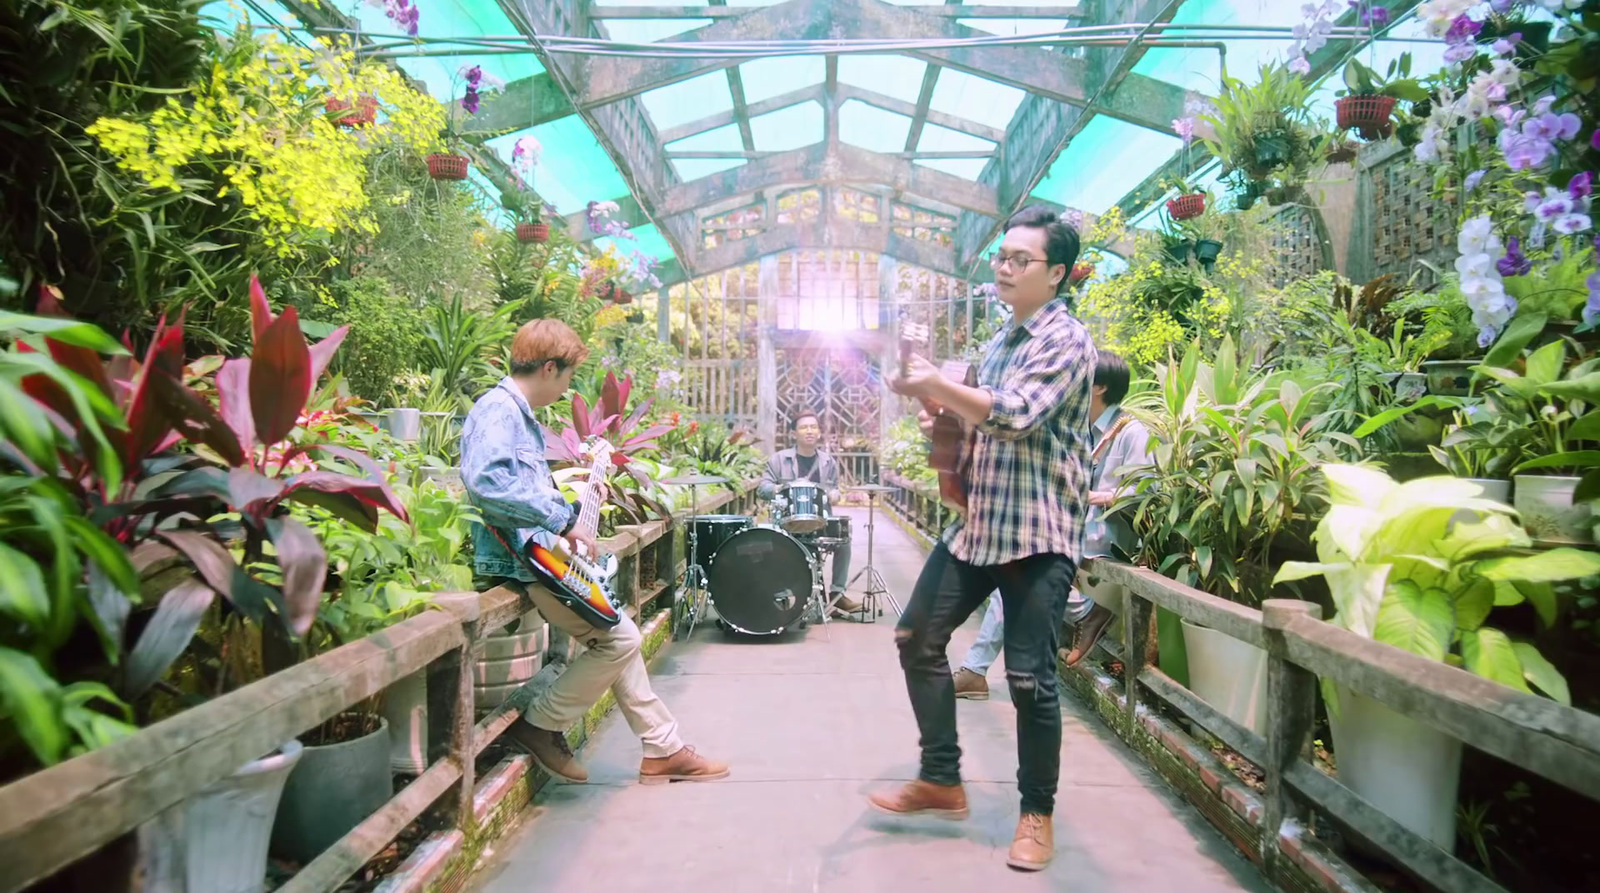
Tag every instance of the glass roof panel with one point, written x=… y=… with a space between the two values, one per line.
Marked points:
x=936 y=138
x=695 y=168
x=966 y=168
x=649 y=30
x=976 y=99
x=1105 y=160
x=647 y=240
x=766 y=78
x=872 y=128
x=688 y=100
x=452 y=18
x=573 y=169
x=722 y=138
x=788 y=128
x=891 y=75
x=1016 y=27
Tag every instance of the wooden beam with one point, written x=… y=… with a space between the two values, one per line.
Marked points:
x=812 y=93
x=817 y=164
x=826 y=232
x=909 y=109
x=741 y=110
x=819 y=93
x=522 y=103
x=719 y=11
x=919 y=115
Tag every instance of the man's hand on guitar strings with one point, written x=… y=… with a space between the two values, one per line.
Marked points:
x=925 y=422
x=921 y=378
x=582 y=545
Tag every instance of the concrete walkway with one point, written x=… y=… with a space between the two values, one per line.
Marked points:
x=812 y=722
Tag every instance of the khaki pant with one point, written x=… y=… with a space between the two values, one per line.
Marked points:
x=611 y=659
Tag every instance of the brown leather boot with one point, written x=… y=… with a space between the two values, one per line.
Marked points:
x=971 y=685
x=923 y=798
x=550 y=750
x=845 y=605
x=685 y=765
x=1034 y=844
x=1088 y=632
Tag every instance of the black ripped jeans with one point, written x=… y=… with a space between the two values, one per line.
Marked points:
x=1032 y=590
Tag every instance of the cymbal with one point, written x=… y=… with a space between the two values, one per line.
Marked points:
x=695 y=480
x=871 y=488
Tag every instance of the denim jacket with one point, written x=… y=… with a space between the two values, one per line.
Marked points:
x=507 y=478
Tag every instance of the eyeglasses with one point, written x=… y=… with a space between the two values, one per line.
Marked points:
x=1018 y=261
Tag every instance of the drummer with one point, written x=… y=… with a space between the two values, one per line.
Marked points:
x=805 y=462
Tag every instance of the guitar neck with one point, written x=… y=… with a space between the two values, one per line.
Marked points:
x=589 y=505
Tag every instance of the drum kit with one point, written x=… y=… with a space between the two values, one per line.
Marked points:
x=765 y=578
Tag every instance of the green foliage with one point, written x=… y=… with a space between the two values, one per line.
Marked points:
x=385 y=336
x=1396 y=81
x=905 y=452
x=1264 y=130
x=1406 y=568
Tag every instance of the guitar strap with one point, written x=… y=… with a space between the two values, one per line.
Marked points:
x=1111 y=435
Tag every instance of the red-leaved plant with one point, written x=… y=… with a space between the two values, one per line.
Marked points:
x=622 y=430
x=158 y=502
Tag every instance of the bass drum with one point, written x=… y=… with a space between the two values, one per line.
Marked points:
x=760 y=580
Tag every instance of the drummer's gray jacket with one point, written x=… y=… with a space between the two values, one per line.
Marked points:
x=784 y=466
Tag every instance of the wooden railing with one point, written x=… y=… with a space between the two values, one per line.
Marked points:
x=1556 y=742
x=107 y=800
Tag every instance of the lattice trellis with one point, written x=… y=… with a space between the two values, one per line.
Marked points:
x=1407 y=223
x=840 y=384
x=713 y=322
x=923 y=225
x=1297 y=249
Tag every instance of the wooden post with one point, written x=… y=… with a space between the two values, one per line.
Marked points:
x=1291 y=703
x=451 y=702
x=1135 y=650
x=664 y=314
x=767 y=354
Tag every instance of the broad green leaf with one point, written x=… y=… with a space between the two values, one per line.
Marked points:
x=75 y=332
x=1290 y=571
x=1422 y=621
x=1474 y=604
x=1357 y=594
x=1585 y=428
x=1356 y=485
x=30 y=700
x=1541 y=595
x=1542 y=673
x=1550 y=566
x=1574 y=459
x=1488 y=653
x=1584 y=387
x=1544 y=365
x=23 y=591
x=1469 y=538
x=1517 y=335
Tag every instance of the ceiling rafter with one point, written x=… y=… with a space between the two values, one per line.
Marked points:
x=919 y=115
x=722 y=11
x=1042 y=71
x=819 y=93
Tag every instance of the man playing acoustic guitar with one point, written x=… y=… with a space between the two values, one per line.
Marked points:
x=504 y=470
x=1022 y=532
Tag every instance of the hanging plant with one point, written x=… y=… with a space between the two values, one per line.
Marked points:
x=447 y=166
x=361 y=113
x=1368 y=100
x=1187 y=206
x=450 y=165
x=1080 y=272
x=534 y=233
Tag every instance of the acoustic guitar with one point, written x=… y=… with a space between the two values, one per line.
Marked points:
x=584 y=583
x=953 y=438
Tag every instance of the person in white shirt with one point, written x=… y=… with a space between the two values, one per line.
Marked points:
x=1119 y=440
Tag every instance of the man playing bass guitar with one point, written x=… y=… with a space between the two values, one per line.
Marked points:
x=1022 y=531
x=504 y=470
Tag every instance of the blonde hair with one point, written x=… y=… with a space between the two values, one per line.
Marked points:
x=545 y=341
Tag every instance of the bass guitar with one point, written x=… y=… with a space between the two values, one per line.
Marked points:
x=953 y=439
x=584 y=583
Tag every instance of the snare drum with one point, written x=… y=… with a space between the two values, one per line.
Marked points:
x=803 y=509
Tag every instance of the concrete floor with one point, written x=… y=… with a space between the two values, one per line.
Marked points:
x=811 y=723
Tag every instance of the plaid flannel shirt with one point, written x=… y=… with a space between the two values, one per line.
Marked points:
x=1027 y=488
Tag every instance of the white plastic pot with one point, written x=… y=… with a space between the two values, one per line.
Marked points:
x=1548 y=514
x=1499 y=491
x=1408 y=770
x=405 y=707
x=1228 y=674
x=227 y=826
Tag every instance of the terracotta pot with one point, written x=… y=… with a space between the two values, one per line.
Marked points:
x=447 y=166
x=537 y=233
x=623 y=296
x=1370 y=115
x=1186 y=207
x=1080 y=272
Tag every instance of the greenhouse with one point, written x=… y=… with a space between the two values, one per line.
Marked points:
x=769 y=445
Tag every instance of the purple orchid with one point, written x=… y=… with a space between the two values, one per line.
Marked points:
x=403 y=14
x=1591 y=308
x=1580 y=185
x=1515 y=263
x=1473 y=179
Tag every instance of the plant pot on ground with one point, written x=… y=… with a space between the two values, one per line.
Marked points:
x=1548 y=510
x=447 y=166
x=227 y=826
x=341 y=779
x=1228 y=674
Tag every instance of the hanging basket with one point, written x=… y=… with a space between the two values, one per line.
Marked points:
x=1080 y=272
x=621 y=296
x=536 y=233
x=1370 y=115
x=358 y=114
x=447 y=166
x=1186 y=207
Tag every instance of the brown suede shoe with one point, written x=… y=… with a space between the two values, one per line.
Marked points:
x=1034 y=844
x=549 y=750
x=845 y=605
x=685 y=765
x=923 y=798
x=1088 y=632
x=971 y=686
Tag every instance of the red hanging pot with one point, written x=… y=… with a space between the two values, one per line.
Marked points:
x=447 y=166
x=1185 y=207
x=1080 y=272
x=536 y=233
x=1370 y=115
x=361 y=113
x=622 y=296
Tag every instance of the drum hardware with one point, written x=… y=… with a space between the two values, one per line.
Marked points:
x=876 y=586
x=691 y=600
x=802 y=507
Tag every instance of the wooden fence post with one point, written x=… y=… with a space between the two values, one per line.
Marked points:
x=1291 y=706
x=1135 y=650
x=451 y=702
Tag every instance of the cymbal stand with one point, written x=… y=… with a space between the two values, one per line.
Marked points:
x=875 y=583
x=691 y=602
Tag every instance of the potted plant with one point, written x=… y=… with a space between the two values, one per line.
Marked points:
x=518 y=195
x=1405 y=571
x=450 y=165
x=1367 y=101
x=1190 y=202
x=1206 y=231
x=361 y=113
